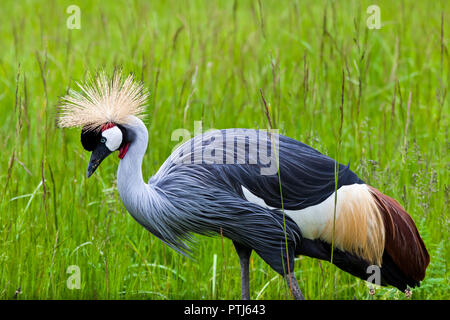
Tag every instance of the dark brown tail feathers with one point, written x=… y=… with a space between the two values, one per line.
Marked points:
x=402 y=240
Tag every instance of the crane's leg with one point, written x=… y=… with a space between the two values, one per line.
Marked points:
x=293 y=286
x=244 y=257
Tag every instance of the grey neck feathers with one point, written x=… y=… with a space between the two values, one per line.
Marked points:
x=133 y=191
x=146 y=203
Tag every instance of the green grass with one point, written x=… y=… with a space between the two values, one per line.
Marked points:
x=208 y=61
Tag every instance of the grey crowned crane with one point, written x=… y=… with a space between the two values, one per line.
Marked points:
x=219 y=183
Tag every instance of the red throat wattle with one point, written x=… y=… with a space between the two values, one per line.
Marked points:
x=123 y=151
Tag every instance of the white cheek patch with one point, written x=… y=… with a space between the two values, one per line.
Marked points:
x=113 y=138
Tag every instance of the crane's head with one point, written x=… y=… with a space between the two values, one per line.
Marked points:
x=102 y=142
x=103 y=108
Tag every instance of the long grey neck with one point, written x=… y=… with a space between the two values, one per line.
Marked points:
x=145 y=204
x=133 y=191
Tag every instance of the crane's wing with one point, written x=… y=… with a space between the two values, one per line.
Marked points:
x=307 y=176
x=249 y=158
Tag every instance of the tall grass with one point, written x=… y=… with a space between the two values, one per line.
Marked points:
x=208 y=60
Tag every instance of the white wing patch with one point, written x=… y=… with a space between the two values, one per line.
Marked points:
x=113 y=138
x=311 y=220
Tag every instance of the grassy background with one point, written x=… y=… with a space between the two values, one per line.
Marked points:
x=208 y=60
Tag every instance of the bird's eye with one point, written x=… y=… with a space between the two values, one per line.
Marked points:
x=102 y=140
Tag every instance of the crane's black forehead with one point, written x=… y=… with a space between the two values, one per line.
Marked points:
x=90 y=138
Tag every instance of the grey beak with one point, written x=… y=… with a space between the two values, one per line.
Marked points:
x=97 y=156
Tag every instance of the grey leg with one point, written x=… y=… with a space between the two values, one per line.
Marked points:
x=293 y=286
x=244 y=257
